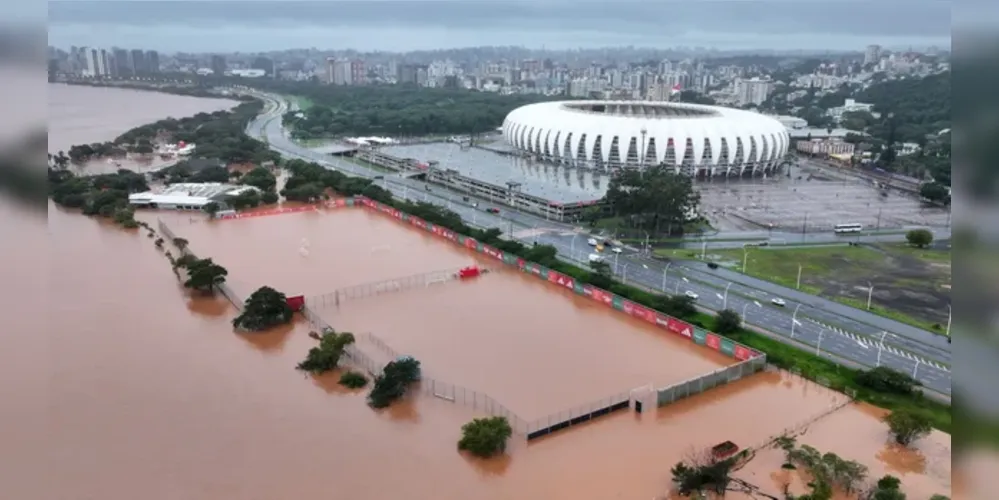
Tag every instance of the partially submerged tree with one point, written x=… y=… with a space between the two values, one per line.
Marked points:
x=485 y=437
x=395 y=379
x=203 y=275
x=907 y=426
x=828 y=472
x=264 y=309
x=327 y=355
x=701 y=473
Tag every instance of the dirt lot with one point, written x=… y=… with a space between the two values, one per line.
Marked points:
x=910 y=285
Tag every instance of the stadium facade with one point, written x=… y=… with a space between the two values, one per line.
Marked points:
x=695 y=139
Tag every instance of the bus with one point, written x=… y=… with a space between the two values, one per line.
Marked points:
x=848 y=228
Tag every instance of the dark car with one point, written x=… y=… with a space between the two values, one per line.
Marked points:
x=492 y=210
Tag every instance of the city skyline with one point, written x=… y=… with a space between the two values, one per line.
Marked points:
x=416 y=25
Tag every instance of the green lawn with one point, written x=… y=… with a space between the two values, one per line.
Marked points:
x=304 y=103
x=618 y=227
x=911 y=285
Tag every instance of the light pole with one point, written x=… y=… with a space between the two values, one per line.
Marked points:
x=624 y=274
x=641 y=160
x=704 y=248
x=798 y=285
x=915 y=368
x=745 y=258
x=724 y=297
x=666 y=270
x=870 y=294
x=818 y=344
x=950 y=315
x=794 y=319
x=881 y=346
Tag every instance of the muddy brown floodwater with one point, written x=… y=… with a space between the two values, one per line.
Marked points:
x=537 y=349
x=146 y=392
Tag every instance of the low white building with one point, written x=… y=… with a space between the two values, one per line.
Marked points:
x=187 y=196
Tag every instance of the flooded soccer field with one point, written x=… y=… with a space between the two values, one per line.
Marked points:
x=533 y=347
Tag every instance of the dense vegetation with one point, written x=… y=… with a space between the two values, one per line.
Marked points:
x=868 y=386
x=922 y=106
x=485 y=437
x=327 y=355
x=265 y=308
x=101 y=195
x=394 y=381
x=203 y=275
x=396 y=110
x=655 y=199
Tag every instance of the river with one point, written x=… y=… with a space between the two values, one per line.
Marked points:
x=147 y=392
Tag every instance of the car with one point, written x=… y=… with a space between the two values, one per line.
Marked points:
x=691 y=294
x=616 y=249
x=492 y=210
x=592 y=242
x=596 y=258
x=777 y=301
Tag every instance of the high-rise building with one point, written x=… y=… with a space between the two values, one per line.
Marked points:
x=265 y=64
x=139 y=62
x=752 y=91
x=873 y=54
x=218 y=65
x=358 y=72
x=407 y=73
x=123 y=63
x=152 y=61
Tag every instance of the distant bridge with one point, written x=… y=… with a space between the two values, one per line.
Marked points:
x=424 y=280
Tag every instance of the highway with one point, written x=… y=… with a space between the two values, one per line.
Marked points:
x=828 y=327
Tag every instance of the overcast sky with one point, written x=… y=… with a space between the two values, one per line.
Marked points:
x=558 y=24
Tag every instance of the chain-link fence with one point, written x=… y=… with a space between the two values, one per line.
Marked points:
x=223 y=287
x=701 y=383
x=577 y=415
x=476 y=400
x=380 y=287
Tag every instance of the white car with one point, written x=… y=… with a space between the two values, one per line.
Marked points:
x=595 y=257
x=777 y=301
x=616 y=249
x=691 y=294
x=592 y=242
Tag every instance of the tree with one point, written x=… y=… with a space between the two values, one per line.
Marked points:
x=485 y=437
x=653 y=199
x=395 y=379
x=907 y=426
x=204 y=275
x=677 y=305
x=919 y=238
x=180 y=243
x=727 y=321
x=885 y=380
x=260 y=178
x=269 y=198
x=326 y=357
x=828 y=471
x=353 y=380
x=265 y=308
x=212 y=208
x=887 y=488
x=935 y=192
x=700 y=473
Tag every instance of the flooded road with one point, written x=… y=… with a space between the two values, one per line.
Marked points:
x=144 y=392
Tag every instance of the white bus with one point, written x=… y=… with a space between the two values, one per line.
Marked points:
x=848 y=228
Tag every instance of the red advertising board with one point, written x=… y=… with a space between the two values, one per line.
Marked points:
x=561 y=280
x=418 y=222
x=521 y=263
x=602 y=296
x=742 y=353
x=471 y=244
x=492 y=252
x=448 y=234
x=662 y=320
x=713 y=341
x=679 y=327
x=640 y=312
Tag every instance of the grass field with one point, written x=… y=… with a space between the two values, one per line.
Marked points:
x=910 y=285
x=304 y=103
x=621 y=230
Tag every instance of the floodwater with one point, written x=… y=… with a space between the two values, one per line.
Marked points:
x=83 y=115
x=536 y=349
x=136 y=390
x=856 y=432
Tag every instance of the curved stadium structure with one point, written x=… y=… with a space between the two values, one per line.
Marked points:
x=695 y=139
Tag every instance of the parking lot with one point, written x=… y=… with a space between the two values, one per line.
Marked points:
x=806 y=202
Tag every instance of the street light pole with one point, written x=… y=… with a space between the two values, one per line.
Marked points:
x=798 y=285
x=881 y=346
x=745 y=258
x=747 y=305
x=725 y=299
x=624 y=274
x=915 y=368
x=666 y=270
x=870 y=294
x=950 y=315
x=704 y=248
x=794 y=319
x=818 y=344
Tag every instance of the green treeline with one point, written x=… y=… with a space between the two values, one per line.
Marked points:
x=882 y=387
x=397 y=110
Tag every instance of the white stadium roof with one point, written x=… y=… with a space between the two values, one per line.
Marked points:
x=704 y=139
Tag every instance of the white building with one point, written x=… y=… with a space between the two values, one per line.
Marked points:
x=752 y=91
x=872 y=55
x=96 y=62
x=187 y=196
x=852 y=106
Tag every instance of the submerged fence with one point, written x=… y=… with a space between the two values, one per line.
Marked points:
x=699 y=384
x=380 y=287
x=223 y=287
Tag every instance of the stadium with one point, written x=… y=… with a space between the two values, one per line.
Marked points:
x=697 y=140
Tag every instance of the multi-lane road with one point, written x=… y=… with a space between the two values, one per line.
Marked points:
x=831 y=329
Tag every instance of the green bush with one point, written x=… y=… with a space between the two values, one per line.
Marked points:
x=326 y=357
x=485 y=437
x=395 y=379
x=353 y=380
